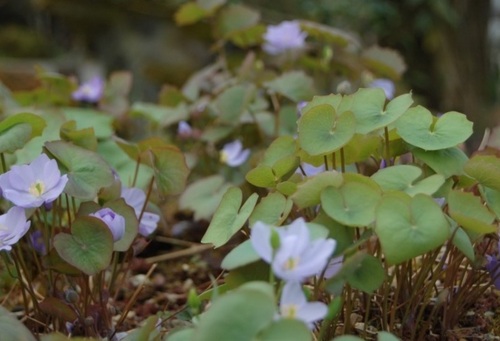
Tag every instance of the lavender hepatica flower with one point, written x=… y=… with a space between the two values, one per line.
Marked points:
x=13 y=226
x=115 y=222
x=184 y=130
x=294 y=305
x=36 y=241
x=385 y=84
x=233 y=154
x=35 y=184
x=493 y=267
x=90 y=91
x=284 y=37
x=297 y=257
x=136 y=198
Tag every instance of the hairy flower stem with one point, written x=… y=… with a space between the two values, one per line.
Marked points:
x=4 y=164
x=347 y=309
x=387 y=150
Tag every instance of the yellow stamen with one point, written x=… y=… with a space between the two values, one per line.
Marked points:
x=37 y=188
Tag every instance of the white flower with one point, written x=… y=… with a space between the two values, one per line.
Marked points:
x=297 y=257
x=136 y=198
x=294 y=305
x=385 y=84
x=233 y=154
x=283 y=37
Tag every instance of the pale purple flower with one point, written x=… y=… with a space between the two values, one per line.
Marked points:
x=115 y=222
x=90 y=91
x=37 y=242
x=136 y=198
x=35 y=184
x=284 y=37
x=297 y=257
x=311 y=170
x=13 y=226
x=233 y=154
x=294 y=305
x=333 y=267
x=493 y=267
x=184 y=130
x=300 y=107
x=385 y=84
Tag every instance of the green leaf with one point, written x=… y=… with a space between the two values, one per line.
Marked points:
x=462 y=241
x=294 y=85
x=101 y=123
x=352 y=204
x=362 y=271
x=368 y=107
x=189 y=13
x=492 y=198
x=322 y=131
x=254 y=304
x=469 y=212
x=168 y=163
x=271 y=210
x=447 y=162
x=281 y=147
x=229 y=218
x=146 y=332
x=58 y=308
x=285 y=330
x=13 y=329
x=262 y=176
x=385 y=62
x=386 y=336
x=241 y=255
x=347 y=338
x=87 y=171
x=84 y=138
x=309 y=192
x=231 y=103
x=403 y=177
x=419 y=128
x=328 y=34
x=234 y=18
x=203 y=196
x=185 y=334
x=89 y=246
x=249 y=36
x=485 y=169
x=210 y=5
x=163 y=116
x=17 y=130
x=409 y=227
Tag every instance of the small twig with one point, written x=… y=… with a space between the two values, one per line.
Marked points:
x=177 y=254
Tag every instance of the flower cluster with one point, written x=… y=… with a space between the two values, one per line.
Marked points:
x=294 y=257
x=284 y=37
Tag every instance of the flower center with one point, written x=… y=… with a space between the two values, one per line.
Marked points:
x=37 y=188
x=291 y=263
x=289 y=311
x=223 y=156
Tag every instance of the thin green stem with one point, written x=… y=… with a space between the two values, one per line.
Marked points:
x=387 y=148
x=342 y=160
x=4 y=164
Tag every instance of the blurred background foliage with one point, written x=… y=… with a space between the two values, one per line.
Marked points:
x=451 y=47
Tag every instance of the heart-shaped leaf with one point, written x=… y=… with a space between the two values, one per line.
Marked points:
x=13 y=329
x=241 y=255
x=231 y=103
x=368 y=107
x=229 y=218
x=285 y=329
x=418 y=127
x=219 y=323
x=352 y=204
x=203 y=196
x=322 y=131
x=485 y=169
x=409 y=227
x=272 y=210
x=87 y=171
x=294 y=85
x=89 y=246
x=402 y=178
x=309 y=192
x=469 y=212
x=86 y=118
x=17 y=130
